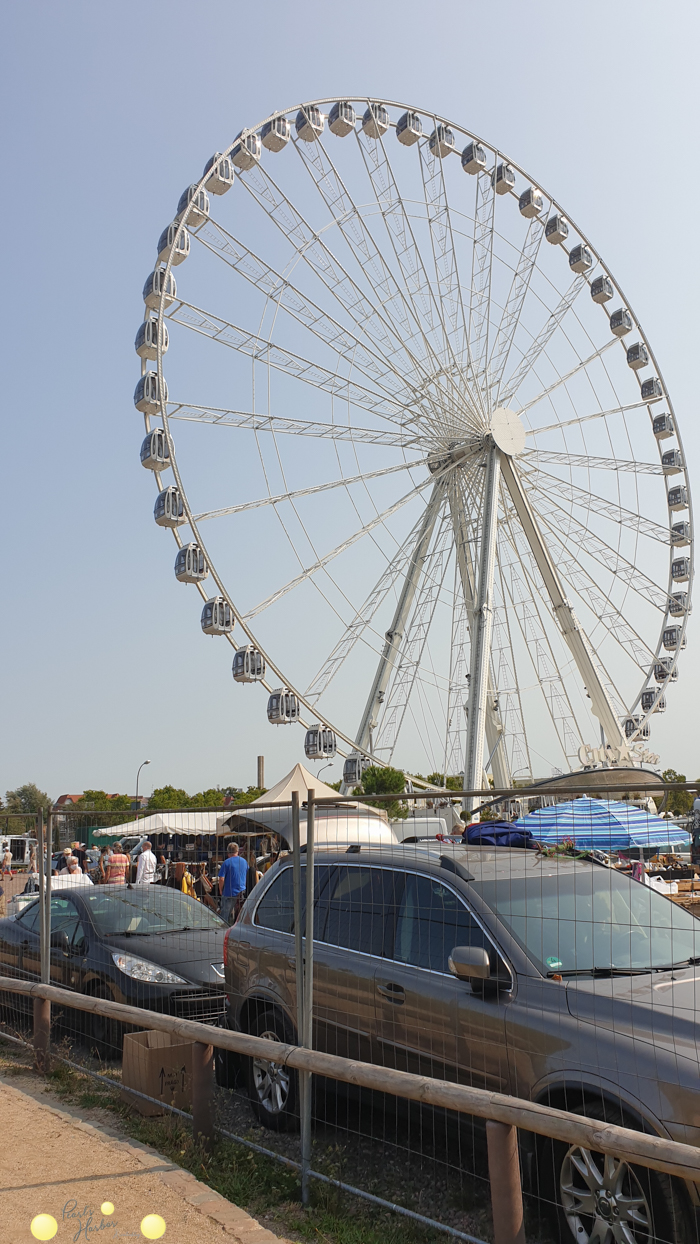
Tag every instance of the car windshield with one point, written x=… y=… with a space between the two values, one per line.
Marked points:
x=590 y=919
x=147 y=909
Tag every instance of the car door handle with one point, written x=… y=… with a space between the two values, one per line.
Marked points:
x=395 y=993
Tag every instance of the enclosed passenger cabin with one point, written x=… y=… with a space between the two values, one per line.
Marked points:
x=179 y=235
x=275 y=134
x=169 y=509
x=672 y=462
x=441 y=142
x=146 y=343
x=602 y=289
x=663 y=427
x=409 y=128
x=637 y=356
x=320 y=743
x=154 y=285
x=309 y=123
x=672 y=639
x=556 y=229
x=633 y=726
x=155 y=451
x=650 y=703
x=282 y=707
x=531 y=202
x=147 y=394
x=246 y=151
x=503 y=179
x=221 y=174
x=664 y=672
x=473 y=161
x=580 y=258
x=651 y=390
x=679 y=604
x=248 y=664
x=620 y=322
x=375 y=121
x=680 y=534
x=678 y=497
x=342 y=119
x=199 y=211
x=680 y=569
x=354 y=767
x=217 y=618
x=190 y=564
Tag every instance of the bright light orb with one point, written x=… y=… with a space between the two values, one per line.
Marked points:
x=44 y=1227
x=153 y=1226
x=106 y=1208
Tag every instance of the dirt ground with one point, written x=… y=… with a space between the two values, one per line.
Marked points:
x=54 y=1161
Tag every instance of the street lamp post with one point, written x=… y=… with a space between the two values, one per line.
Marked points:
x=138 y=772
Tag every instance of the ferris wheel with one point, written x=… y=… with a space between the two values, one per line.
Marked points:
x=415 y=450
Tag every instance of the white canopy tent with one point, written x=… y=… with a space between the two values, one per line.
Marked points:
x=164 y=822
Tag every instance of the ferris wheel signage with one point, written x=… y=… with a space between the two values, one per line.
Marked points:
x=607 y=757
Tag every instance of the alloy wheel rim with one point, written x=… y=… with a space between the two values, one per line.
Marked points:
x=271 y=1081
x=603 y=1199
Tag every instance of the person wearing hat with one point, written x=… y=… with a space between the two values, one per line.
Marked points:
x=64 y=857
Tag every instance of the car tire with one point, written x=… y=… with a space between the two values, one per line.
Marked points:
x=273 y=1089
x=608 y=1199
x=103 y=1034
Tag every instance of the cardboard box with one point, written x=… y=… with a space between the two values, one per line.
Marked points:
x=160 y=1065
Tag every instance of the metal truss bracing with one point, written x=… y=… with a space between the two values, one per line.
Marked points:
x=428 y=411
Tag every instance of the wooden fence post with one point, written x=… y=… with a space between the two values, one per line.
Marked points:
x=506 y=1190
x=203 y=1093
x=42 y=1035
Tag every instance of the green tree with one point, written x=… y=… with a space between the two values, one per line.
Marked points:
x=678 y=802
x=169 y=797
x=27 y=798
x=454 y=782
x=387 y=781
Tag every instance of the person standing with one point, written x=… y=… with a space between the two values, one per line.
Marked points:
x=102 y=864
x=695 y=844
x=117 y=865
x=7 y=862
x=146 y=867
x=232 y=884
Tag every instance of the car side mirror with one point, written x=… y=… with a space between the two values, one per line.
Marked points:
x=59 y=941
x=469 y=963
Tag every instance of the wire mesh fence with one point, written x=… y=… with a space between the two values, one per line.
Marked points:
x=551 y=956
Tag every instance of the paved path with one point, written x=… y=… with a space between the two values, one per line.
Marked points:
x=53 y=1161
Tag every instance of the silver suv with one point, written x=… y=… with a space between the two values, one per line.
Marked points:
x=558 y=980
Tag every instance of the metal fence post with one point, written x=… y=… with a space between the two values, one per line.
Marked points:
x=506 y=1189
x=202 y=1093
x=298 y=931
x=305 y=1076
x=42 y=1007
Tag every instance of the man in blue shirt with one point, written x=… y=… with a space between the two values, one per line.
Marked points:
x=232 y=881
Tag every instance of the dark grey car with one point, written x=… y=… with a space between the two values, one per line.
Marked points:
x=558 y=980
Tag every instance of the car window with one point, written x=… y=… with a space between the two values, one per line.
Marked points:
x=360 y=909
x=65 y=919
x=29 y=918
x=276 y=907
x=432 y=920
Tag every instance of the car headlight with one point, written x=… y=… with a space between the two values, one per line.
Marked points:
x=144 y=970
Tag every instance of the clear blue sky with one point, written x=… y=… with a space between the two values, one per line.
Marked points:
x=108 y=111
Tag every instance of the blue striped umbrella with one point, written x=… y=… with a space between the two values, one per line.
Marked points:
x=608 y=825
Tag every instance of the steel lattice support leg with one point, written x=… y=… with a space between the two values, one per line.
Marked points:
x=483 y=628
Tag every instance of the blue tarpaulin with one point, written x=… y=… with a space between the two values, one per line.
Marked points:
x=608 y=825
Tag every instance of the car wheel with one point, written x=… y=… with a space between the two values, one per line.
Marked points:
x=103 y=1034
x=602 y=1199
x=273 y=1088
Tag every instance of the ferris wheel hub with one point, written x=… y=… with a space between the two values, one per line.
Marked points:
x=507 y=431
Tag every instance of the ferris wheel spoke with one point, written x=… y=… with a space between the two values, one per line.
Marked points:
x=592 y=463
x=264 y=351
x=482 y=266
x=599 y=414
x=308 y=492
x=281 y=292
x=512 y=311
x=414 y=641
x=251 y=421
x=340 y=548
x=590 y=502
x=569 y=625
x=369 y=318
x=542 y=340
x=569 y=375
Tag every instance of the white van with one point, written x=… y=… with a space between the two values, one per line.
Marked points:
x=20 y=846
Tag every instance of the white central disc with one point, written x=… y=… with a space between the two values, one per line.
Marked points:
x=507 y=431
